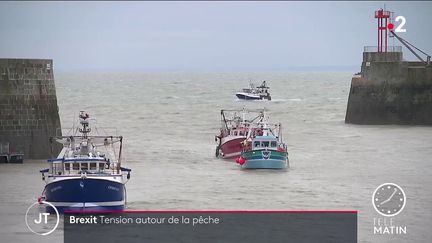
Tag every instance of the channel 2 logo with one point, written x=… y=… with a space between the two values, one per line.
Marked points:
x=399 y=28
x=42 y=223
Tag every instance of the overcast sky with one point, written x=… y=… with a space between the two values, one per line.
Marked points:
x=202 y=36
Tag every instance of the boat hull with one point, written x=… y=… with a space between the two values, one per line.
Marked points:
x=245 y=96
x=231 y=148
x=265 y=159
x=85 y=194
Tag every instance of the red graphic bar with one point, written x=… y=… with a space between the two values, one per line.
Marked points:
x=211 y=211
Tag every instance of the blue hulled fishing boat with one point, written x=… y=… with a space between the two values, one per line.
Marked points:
x=87 y=174
x=266 y=150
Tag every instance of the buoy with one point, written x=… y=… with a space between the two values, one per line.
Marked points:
x=240 y=160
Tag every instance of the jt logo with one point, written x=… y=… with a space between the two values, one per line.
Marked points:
x=40 y=218
x=41 y=225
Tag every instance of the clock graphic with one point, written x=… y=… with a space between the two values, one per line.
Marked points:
x=389 y=199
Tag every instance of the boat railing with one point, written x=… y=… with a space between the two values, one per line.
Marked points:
x=100 y=131
x=74 y=166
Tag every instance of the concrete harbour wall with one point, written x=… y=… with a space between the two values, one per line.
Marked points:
x=28 y=106
x=390 y=91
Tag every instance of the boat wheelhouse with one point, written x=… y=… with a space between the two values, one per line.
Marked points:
x=87 y=174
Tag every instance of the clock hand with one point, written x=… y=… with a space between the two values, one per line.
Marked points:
x=385 y=201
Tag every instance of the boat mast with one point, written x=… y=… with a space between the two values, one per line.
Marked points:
x=280 y=132
x=120 y=152
x=85 y=124
x=244 y=116
x=224 y=119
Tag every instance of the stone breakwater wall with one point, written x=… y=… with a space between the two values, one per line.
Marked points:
x=28 y=106
x=389 y=90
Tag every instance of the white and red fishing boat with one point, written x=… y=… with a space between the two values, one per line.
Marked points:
x=235 y=126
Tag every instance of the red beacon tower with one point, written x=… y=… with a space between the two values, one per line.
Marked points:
x=383 y=17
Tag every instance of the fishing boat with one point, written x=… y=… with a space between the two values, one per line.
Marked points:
x=87 y=174
x=265 y=150
x=255 y=92
x=235 y=125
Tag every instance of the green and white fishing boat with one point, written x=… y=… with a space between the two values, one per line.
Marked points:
x=266 y=150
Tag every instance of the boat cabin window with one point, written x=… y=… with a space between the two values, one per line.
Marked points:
x=84 y=166
x=265 y=144
x=235 y=133
x=101 y=166
x=57 y=168
x=257 y=144
x=93 y=166
x=75 y=166
x=67 y=166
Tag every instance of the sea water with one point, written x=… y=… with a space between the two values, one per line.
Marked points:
x=169 y=121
